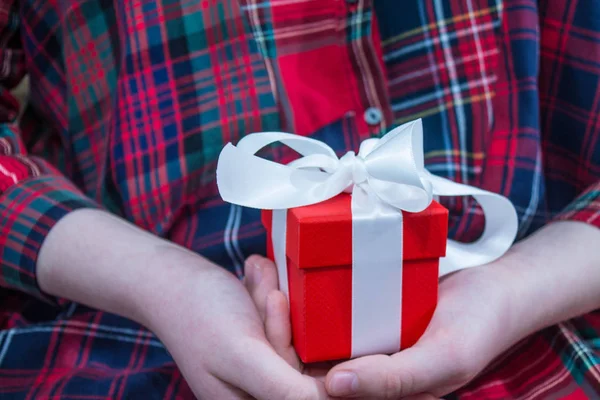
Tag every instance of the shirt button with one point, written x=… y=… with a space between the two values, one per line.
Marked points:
x=373 y=116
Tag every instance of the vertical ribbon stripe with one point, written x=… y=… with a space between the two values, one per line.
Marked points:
x=376 y=276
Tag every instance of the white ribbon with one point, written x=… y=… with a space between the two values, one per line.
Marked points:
x=386 y=177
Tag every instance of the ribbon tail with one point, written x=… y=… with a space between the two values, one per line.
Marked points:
x=279 y=241
x=501 y=225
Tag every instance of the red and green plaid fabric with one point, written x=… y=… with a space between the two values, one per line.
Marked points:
x=131 y=103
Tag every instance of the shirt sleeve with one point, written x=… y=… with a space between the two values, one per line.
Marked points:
x=34 y=196
x=585 y=208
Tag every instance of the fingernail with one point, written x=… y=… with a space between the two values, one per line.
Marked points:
x=343 y=384
x=256 y=274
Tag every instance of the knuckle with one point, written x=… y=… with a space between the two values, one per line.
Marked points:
x=296 y=393
x=409 y=384
x=298 y=396
x=395 y=385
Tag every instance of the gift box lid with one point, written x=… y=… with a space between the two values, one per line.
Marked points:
x=320 y=235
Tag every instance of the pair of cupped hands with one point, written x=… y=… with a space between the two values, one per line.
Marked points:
x=232 y=339
x=239 y=345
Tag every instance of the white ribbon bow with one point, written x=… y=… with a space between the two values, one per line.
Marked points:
x=387 y=176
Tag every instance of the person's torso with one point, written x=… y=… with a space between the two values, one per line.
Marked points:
x=135 y=100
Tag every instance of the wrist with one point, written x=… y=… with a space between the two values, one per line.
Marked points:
x=187 y=293
x=498 y=295
x=551 y=276
x=512 y=288
x=172 y=278
x=102 y=261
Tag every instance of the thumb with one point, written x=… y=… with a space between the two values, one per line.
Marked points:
x=416 y=370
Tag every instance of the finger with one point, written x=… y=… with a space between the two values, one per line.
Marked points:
x=278 y=328
x=263 y=374
x=214 y=388
x=412 y=371
x=262 y=279
x=277 y=325
x=249 y=268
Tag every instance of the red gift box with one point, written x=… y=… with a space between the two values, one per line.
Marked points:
x=319 y=261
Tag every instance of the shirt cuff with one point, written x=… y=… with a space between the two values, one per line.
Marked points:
x=28 y=210
x=585 y=208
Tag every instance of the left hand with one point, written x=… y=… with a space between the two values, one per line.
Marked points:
x=473 y=324
x=549 y=277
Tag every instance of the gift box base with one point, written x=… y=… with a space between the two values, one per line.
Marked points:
x=319 y=267
x=328 y=313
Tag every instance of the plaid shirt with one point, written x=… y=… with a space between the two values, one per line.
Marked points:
x=131 y=103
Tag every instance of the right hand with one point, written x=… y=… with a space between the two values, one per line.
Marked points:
x=211 y=327
x=202 y=313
